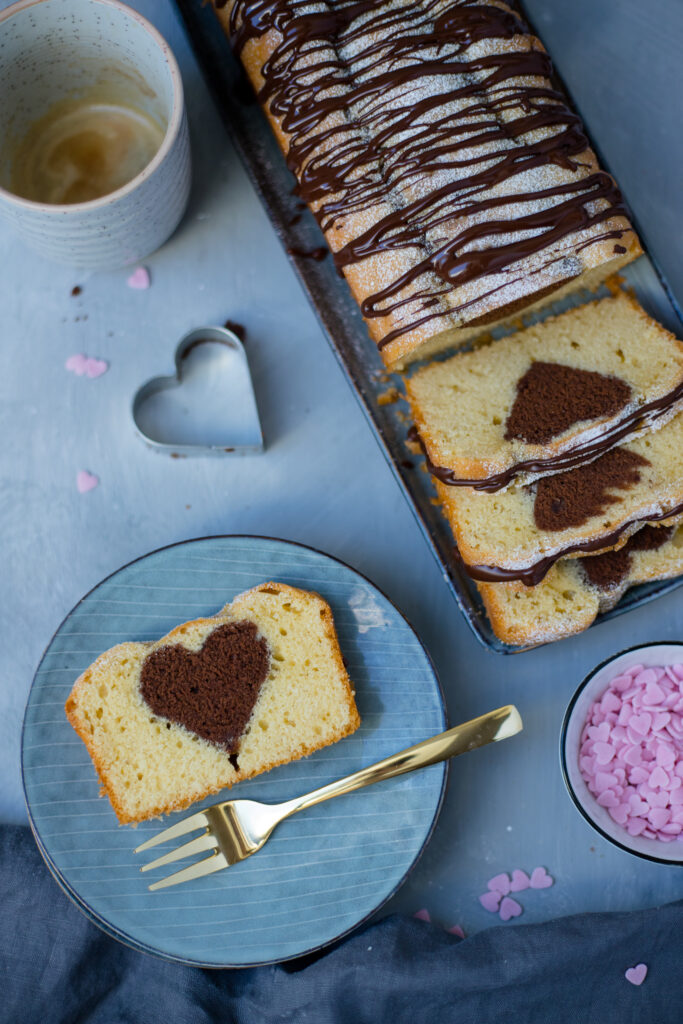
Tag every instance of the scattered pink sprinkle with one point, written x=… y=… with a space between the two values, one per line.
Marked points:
x=490 y=901
x=139 y=279
x=456 y=930
x=631 y=752
x=636 y=975
x=87 y=366
x=509 y=908
x=86 y=481
x=499 y=883
x=422 y=915
x=540 y=879
x=520 y=881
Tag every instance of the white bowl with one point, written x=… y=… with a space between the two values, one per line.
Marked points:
x=593 y=686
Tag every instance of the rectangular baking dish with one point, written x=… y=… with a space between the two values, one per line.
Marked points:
x=344 y=326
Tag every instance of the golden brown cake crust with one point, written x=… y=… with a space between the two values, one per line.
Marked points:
x=450 y=195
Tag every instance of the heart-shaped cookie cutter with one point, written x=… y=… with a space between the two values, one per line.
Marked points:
x=243 y=431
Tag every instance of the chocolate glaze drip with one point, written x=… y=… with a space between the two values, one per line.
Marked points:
x=211 y=691
x=552 y=397
x=534 y=573
x=567 y=500
x=646 y=415
x=475 y=116
x=608 y=570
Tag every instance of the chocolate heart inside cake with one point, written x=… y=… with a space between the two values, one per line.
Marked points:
x=211 y=691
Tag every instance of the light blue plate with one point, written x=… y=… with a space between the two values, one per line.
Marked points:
x=324 y=871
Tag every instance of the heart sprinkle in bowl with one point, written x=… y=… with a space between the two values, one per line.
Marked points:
x=621 y=750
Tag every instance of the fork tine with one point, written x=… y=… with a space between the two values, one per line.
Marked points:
x=204 y=842
x=216 y=862
x=181 y=828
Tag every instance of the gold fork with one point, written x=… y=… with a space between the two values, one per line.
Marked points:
x=235 y=829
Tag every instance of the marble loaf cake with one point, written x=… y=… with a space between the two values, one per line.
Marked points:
x=454 y=185
x=518 y=533
x=549 y=397
x=576 y=590
x=216 y=701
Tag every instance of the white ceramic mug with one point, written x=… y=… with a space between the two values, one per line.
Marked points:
x=58 y=49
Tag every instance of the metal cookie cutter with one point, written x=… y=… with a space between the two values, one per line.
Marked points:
x=208 y=406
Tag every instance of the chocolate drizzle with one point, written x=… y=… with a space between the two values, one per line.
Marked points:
x=608 y=570
x=568 y=500
x=378 y=100
x=533 y=574
x=211 y=691
x=646 y=415
x=552 y=397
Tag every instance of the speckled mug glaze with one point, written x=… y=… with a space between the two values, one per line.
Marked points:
x=53 y=49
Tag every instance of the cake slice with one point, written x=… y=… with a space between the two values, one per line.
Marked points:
x=576 y=590
x=215 y=701
x=454 y=185
x=553 y=395
x=518 y=533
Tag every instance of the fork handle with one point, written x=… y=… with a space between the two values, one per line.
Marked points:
x=489 y=728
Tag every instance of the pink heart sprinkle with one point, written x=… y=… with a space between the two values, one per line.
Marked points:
x=646 y=677
x=661 y=720
x=606 y=780
x=499 y=883
x=618 y=814
x=636 y=975
x=633 y=756
x=520 y=881
x=456 y=930
x=95 y=367
x=641 y=723
x=86 y=481
x=621 y=683
x=509 y=908
x=87 y=366
x=490 y=901
x=608 y=799
x=604 y=752
x=422 y=915
x=139 y=279
x=659 y=816
x=610 y=701
x=658 y=777
x=665 y=755
x=654 y=694
x=540 y=879
x=77 y=363
x=638 y=807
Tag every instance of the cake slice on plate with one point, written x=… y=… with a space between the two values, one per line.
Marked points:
x=215 y=701
x=548 y=397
